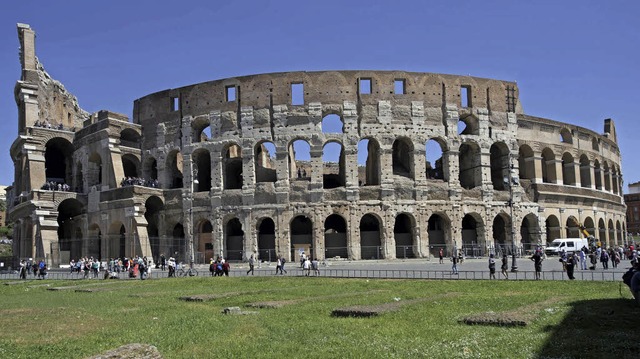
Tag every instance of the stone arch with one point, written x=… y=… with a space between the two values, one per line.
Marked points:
x=597 y=171
x=529 y=232
x=204 y=241
x=469 y=125
x=173 y=170
x=131 y=165
x=58 y=160
x=565 y=136
x=526 y=163
x=589 y=226
x=500 y=165
x=69 y=219
x=116 y=242
x=554 y=230
x=335 y=237
x=371 y=237
x=573 y=227
x=473 y=234
x=369 y=162
x=333 y=165
x=548 y=166
x=434 y=154
x=201 y=159
x=130 y=138
x=607 y=177
x=232 y=167
x=301 y=229
x=178 y=244
x=150 y=168
x=585 y=171
x=470 y=164
x=402 y=157
x=299 y=159
x=201 y=129
x=265 y=162
x=568 y=170
x=404 y=235
x=332 y=123
x=439 y=231
x=612 y=234
x=619 y=236
x=502 y=232
x=266 y=239
x=153 y=210
x=602 y=231
x=234 y=239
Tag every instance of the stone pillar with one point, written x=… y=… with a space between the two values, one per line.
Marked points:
x=537 y=168
x=559 y=174
x=592 y=176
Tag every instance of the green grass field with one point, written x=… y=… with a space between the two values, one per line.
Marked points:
x=564 y=319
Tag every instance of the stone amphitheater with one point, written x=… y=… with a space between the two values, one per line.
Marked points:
x=349 y=164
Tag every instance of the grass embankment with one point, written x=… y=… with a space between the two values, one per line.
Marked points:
x=570 y=319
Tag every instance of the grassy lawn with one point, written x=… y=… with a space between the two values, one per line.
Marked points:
x=570 y=319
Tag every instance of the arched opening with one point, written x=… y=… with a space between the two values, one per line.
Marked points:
x=500 y=166
x=301 y=229
x=553 y=228
x=202 y=161
x=468 y=125
x=370 y=243
x=607 y=177
x=69 y=219
x=437 y=230
x=403 y=235
x=565 y=136
x=174 y=169
x=332 y=165
x=470 y=165
x=232 y=164
x=204 y=242
x=568 y=170
x=300 y=160
x=548 y=166
x=529 y=232
x=597 y=172
x=434 y=151
x=265 y=162
x=585 y=172
x=335 y=237
x=58 y=161
x=130 y=138
x=234 y=239
x=368 y=162
x=150 y=169
x=612 y=235
x=153 y=209
x=94 y=173
x=526 y=163
x=179 y=244
x=602 y=231
x=502 y=233
x=573 y=228
x=116 y=240
x=402 y=158
x=130 y=165
x=267 y=240
x=473 y=241
x=589 y=226
x=618 y=240
x=201 y=129
x=332 y=124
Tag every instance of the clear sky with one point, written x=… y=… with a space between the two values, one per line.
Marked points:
x=574 y=61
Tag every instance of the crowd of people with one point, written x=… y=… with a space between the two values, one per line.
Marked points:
x=29 y=266
x=219 y=267
x=49 y=125
x=137 y=181
x=56 y=186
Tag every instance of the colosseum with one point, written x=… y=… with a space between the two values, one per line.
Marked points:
x=349 y=164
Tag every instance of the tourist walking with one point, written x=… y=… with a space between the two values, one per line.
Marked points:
x=441 y=255
x=571 y=263
x=537 y=263
x=505 y=266
x=251 y=264
x=492 y=267
x=454 y=266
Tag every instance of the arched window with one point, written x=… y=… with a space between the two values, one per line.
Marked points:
x=332 y=124
x=434 y=156
x=300 y=160
x=265 y=162
x=333 y=171
x=232 y=158
x=402 y=158
x=470 y=165
x=368 y=162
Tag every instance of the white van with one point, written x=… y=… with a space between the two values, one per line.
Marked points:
x=566 y=244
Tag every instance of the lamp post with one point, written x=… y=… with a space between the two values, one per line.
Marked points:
x=510 y=180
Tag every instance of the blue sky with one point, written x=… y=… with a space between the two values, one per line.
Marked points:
x=574 y=61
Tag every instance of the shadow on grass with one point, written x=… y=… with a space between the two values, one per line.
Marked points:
x=596 y=329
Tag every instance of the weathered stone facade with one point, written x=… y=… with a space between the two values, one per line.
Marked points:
x=241 y=139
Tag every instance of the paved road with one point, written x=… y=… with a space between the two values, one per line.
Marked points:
x=409 y=268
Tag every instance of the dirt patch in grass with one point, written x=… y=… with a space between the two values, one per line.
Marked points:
x=131 y=351
x=518 y=317
x=365 y=311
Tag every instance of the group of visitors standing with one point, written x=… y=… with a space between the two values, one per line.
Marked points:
x=38 y=268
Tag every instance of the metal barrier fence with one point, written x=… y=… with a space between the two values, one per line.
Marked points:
x=355 y=273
